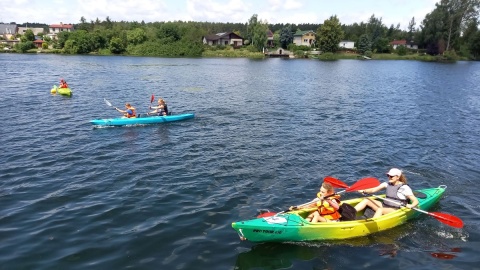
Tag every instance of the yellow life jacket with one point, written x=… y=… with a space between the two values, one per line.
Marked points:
x=326 y=210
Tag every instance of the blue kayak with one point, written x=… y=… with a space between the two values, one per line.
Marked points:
x=145 y=120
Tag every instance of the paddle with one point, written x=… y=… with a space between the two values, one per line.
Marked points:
x=364 y=183
x=359 y=185
x=151 y=100
x=448 y=219
x=108 y=103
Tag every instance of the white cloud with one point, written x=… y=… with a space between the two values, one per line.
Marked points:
x=127 y=10
x=217 y=11
x=293 y=4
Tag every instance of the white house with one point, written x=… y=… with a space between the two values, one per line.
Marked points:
x=35 y=30
x=54 y=29
x=347 y=44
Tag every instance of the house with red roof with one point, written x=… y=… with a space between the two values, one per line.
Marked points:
x=54 y=29
x=403 y=42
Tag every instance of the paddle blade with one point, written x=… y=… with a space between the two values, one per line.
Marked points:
x=335 y=182
x=152 y=99
x=448 y=219
x=364 y=183
x=107 y=102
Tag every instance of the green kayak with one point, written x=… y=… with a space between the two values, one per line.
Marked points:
x=292 y=226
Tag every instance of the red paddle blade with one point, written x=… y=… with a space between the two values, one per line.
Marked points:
x=447 y=219
x=152 y=99
x=364 y=183
x=266 y=214
x=443 y=256
x=335 y=182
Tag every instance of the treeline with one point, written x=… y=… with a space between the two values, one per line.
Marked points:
x=451 y=28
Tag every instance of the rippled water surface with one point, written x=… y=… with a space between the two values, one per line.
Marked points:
x=266 y=133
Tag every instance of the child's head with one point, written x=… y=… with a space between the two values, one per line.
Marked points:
x=326 y=189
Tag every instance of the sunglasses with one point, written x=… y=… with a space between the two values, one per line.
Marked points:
x=391 y=176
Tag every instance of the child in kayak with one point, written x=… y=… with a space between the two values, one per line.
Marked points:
x=129 y=112
x=63 y=84
x=328 y=204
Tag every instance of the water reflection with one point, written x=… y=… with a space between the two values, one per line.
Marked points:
x=275 y=256
x=285 y=255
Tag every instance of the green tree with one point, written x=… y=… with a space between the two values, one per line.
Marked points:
x=252 y=23
x=116 y=45
x=411 y=30
x=70 y=47
x=29 y=36
x=136 y=36
x=25 y=46
x=401 y=50
x=62 y=37
x=83 y=24
x=442 y=28
x=169 y=32
x=259 y=37
x=375 y=30
x=364 y=44
x=286 y=36
x=458 y=13
x=329 y=35
x=474 y=46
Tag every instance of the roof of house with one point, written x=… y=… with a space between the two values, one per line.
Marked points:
x=61 y=25
x=38 y=41
x=222 y=35
x=398 y=42
x=301 y=33
x=8 y=29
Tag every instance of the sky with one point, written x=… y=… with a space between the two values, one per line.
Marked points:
x=233 y=11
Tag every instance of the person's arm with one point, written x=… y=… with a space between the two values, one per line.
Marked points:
x=309 y=205
x=413 y=200
x=374 y=189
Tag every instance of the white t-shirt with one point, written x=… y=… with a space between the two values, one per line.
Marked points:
x=403 y=192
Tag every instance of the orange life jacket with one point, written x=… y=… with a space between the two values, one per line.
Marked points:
x=134 y=113
x=326 y=210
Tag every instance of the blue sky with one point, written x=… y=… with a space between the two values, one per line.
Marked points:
x=272 y=11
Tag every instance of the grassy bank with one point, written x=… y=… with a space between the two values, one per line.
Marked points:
x=232 y=53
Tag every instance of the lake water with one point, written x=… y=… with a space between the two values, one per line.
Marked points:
x=266 y=133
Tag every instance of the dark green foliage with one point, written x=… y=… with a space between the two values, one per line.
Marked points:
x=29 y=36
x=25 y=46
x=153 y=48
x=116 y=46
x=364 y=44
x=401 y=50
x=136 y=36
x=286 y=36
x=328 y=56
x=329 y=35
x=475 y=46
x=169 y=31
